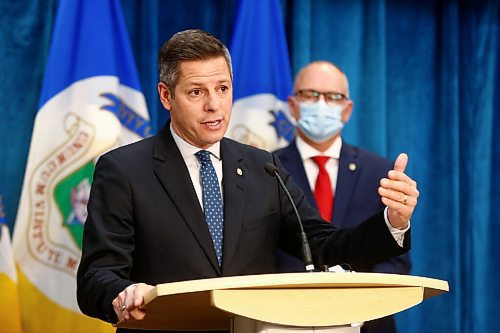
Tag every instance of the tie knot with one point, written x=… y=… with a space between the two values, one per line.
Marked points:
x=203 y=156
x=320 y=160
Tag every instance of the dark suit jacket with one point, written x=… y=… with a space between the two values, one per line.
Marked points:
x=145 y=223
x=356 y=198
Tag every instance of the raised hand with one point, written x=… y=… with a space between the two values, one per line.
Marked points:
x=399 y=193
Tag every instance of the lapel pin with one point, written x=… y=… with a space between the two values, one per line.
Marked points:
x=239 y=172
x=352 y=166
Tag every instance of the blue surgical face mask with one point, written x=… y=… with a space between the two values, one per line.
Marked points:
x=320 y=121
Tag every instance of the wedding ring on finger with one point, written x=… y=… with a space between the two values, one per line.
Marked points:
x=122 y=308
x=405 y=199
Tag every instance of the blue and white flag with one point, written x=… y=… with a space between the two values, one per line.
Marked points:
x=9 y=295
x=262 y=77
x=90 y=102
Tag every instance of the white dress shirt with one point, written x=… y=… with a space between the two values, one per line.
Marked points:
x=188 y=152
x=332 y=165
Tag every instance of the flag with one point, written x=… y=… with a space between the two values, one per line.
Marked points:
x=262 y=77
x=9 y=298
x=90 y=103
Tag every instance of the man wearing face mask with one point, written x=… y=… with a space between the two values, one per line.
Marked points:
x=339 y=179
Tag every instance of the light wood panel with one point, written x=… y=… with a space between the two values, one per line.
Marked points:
x=298 y=299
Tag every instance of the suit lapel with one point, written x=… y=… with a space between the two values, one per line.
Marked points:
x=234 y=183
x=349 y=170
x=174 y=176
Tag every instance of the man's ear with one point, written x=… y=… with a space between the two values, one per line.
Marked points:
x=165 y=95
x=346 y=114
x=293 y=105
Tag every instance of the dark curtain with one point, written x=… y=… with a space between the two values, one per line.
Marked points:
x=424 y=76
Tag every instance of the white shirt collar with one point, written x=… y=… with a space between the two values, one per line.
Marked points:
x=188 y=150
x=307 y=152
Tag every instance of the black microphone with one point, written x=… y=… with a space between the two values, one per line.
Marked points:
x=272 y=170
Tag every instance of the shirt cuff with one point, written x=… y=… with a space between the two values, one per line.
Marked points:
x=398 y=234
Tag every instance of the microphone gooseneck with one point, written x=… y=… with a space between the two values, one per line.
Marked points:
x=272 y=170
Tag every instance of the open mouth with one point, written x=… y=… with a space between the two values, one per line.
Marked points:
x=213 y=124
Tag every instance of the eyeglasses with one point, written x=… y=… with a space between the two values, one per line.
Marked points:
x=311 y=96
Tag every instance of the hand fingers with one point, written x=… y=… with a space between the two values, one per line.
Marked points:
x=116 y=306
x=124 y=303
x=141 y=290
x=398 y=172
x=138 y=300
x=399 y=193
x=137 y=314
x=130 y=298
x=399 y=207
x=401 y=176
x=127 y=303
x=399 y=196
x=403 y=188
x=401 y=162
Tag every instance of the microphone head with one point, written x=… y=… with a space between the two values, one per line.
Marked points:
x=271 y=169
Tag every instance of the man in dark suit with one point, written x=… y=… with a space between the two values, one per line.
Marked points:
x=321 y=106
x=189 y=204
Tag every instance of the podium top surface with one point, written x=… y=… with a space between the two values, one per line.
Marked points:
x=301 y=280
x=297 y=299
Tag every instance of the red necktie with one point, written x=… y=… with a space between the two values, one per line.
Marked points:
x=323 y=189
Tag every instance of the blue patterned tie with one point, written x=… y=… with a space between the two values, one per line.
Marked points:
x=212 y=201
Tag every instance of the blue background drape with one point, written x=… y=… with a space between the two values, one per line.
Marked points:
x=424 y=77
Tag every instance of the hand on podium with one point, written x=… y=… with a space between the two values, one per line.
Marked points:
x=127 y=304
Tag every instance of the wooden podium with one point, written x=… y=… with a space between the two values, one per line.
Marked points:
x=318 y=299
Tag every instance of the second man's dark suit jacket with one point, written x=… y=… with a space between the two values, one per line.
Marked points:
x=356 y=199
x=145 y=223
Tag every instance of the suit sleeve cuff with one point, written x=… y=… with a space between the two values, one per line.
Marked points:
x=398 y=234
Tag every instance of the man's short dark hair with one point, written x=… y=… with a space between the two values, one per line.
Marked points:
x=188 y=45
